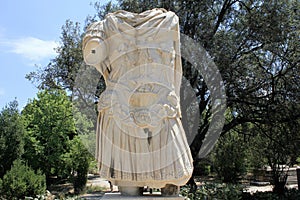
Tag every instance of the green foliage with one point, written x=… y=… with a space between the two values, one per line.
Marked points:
x=230 y=157
x=51 y=142
x=256 y=149
x=86 y=130
x=50 y=127
x=292 y=194
x=91 y=189
x=21 y=181
x=271 y=147
x=203 y=168
x=214 y=191
x=82 y=151
x=78 y=161
x=11 y=136
x=0 y=186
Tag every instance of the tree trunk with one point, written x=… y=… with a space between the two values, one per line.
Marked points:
x=279 y=184
x=192 y=184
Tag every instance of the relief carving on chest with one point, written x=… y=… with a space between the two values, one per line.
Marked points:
x=142 y=97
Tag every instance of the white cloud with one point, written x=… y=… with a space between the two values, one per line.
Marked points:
x=33 y=49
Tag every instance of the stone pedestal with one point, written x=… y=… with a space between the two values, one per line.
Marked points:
x=117 y=196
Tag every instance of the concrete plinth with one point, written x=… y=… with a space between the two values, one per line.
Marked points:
x=117 y=196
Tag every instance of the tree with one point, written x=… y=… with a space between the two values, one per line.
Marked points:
x=11 y=136
x=277 y=145
x=254 y=44
x=60 y=73
x=50 y=127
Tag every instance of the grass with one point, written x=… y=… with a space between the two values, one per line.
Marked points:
x=94 y=189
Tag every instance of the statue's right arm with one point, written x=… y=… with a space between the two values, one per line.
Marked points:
x=94 y=51
x=94 y=47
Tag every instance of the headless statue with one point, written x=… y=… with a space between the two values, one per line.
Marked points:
x=140 y=139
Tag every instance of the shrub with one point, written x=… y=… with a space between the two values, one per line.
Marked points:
x=78 y=160
x=230 y=158
x=21 y=181
x=0 y=186
x=214 y=191
x=292 y=194
x=202 y=168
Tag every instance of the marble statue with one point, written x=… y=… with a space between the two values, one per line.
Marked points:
x=140 y=138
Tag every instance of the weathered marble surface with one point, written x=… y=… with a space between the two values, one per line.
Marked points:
x=140 y=138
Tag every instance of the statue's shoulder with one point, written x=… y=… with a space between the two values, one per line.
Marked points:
x=95 y=29
x=98 y=25
x=152 y=12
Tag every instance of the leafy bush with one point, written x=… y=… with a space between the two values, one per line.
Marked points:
x=21 y=181
x=0 y=186
x=95 y=189
x=78 y=160
x=298 y=160
x=292 y=194
x=260 y=196
x=214 y=191
x=230 y=158
x=202 y=168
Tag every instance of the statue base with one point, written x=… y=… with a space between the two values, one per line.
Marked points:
x=117 y=196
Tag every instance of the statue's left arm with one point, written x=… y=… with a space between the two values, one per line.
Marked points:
x=178 y=64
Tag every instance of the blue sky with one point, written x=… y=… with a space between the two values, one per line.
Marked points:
x=29 y=30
